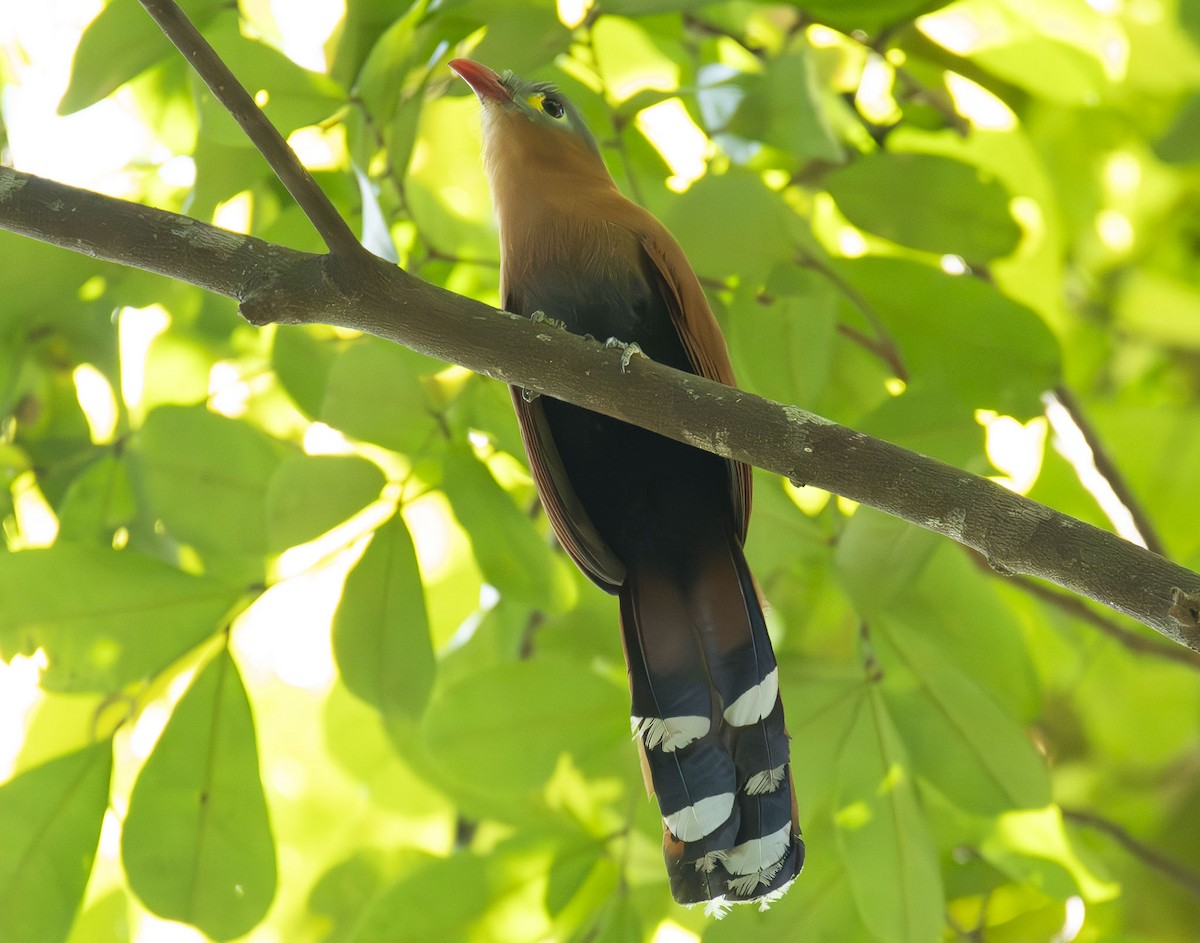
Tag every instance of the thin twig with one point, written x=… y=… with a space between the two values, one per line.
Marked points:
x=1109 y=471
x=882 y=349
x=263 y=135
x=1135 y=642
x=1181 y=874
x=1076 y=608
x=884 y=345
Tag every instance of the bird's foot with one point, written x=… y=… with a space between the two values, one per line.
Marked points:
x=540 y=317
x=628 y=351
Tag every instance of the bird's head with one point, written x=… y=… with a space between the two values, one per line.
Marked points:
x=530 y=123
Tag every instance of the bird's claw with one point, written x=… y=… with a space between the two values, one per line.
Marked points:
x=540 y=317
x=628 y=351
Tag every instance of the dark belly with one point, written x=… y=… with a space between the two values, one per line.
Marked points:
x=646 y=494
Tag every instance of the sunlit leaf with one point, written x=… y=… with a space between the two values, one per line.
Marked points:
x=503 y=729
x=120 y=43
x=1160 y=308
x=1035 y=847
x=957 y=734
x=302 y=357
x=309 y=494
x=418 y=908
x=870 y=15
x=945 y=206
x=780 y=106
x=960 y=334
x=732 y=226
x=125 y=616
x=380 y=631
x=1061 y=57
x=291 y=96
x=374 y=393
x=196 y=844
x=98 y=501
x=890 y=858
x=50 y=818
x=512 y=555
x=208 y=477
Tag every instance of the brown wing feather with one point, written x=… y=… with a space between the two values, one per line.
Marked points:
x=572 y=526
x=702 y=340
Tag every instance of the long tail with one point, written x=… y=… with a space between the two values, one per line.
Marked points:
x=709 y=721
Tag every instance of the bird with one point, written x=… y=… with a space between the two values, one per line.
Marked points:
x=657 y=523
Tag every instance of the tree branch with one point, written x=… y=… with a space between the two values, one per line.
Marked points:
x=1182 y=875
x=262 y=134
x=277 y=285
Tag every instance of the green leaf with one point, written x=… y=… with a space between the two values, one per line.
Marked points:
x=527 y=38
x=783 y=349
x=1054 y=50
x=1160 y=308
x=879 y=558
x=402 y=46
x=446 y=190
x=869 y=15
x=119 y=44
x=294 y=97
x=630 y=58
x=374 y=393
x=310 y=494
x=929 y=202
x=620 y=921
x=1034 y=847
x=890 y=859
x=959 y=737
x=50 y=818
x=444 y=900
x=961 y=610
x=343 y=892
x=196 y=844
x=1180 y=144
x=104 y=617
x=106 y=918
x=732 y=226
x=960 y=335
x=781 y=106
x=302 y=356
x=572 y=868
x=208 y=476
x=97 y=502
x=380 y=630
x=892 y=570
x=503 y=728
x=510 y=552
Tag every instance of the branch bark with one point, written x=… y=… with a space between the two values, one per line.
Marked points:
x=274 y=284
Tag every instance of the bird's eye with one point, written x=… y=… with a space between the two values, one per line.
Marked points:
x=553 y=107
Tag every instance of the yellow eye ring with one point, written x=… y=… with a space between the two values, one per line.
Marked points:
x=551 y=106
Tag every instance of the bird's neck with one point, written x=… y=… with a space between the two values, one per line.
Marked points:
x=546 y=210
x=536 y=175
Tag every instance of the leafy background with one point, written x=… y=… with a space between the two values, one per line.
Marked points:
x=290 y=655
